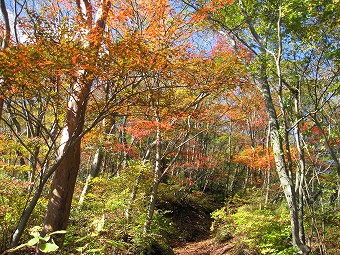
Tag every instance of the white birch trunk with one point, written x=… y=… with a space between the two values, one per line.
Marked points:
x=156 y=181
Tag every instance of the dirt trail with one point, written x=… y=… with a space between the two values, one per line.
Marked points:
x=205 y=247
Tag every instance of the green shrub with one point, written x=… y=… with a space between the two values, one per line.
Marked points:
x=243 y=248
x=14 y=196
x=42 y=243
x=101 y=226
x=150 y=246
x=258 y=231
x=223 y=227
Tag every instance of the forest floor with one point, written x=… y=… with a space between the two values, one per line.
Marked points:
x=193 y=220
x=195 y=238
x=205 y=247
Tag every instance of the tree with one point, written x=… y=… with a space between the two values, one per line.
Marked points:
x=81 y=68
x=192 y=114
x=265 y=28
x=4 y=44
x=65 y=176
x=60 y=62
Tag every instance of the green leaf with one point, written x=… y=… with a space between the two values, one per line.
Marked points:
x=45 y=238
x=8 y=216
x=80 y=249
x=33 y=241
x=58 y=232
x=17 y=248
x=35 y=231
x=48 y=247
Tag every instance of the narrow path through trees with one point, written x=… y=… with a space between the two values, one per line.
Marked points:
x=205 y=247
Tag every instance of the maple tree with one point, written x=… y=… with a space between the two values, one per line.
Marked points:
x=89 y=63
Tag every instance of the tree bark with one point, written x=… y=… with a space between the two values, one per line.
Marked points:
x=267 y=182
x=94 y=172
x=301 y=171
x=4 y=44
x=285 y=180
x=285 y=175
x=59 y=205
x=156 y=181
x=6 y=39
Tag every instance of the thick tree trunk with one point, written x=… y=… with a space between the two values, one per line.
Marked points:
x=64 y=180
x=59 y=205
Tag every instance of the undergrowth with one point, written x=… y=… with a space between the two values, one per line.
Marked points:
x=257 y=231
x=268 y=231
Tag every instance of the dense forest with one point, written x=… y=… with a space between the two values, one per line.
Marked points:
x=137 y=126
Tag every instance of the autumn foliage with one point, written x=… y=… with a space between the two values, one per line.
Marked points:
x=142 y=102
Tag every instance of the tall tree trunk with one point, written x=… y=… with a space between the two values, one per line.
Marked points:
x=285 y=175
x=285 y=180
x=269 y=168
x=276 y=140
x=233 y=180
x=59 y=205
x=5 y=44
x=156 y=180
x=94 y=172
x=227 y=185
x=288 y=155
x=124 y=156
x=301 y=171
x=246 y=179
